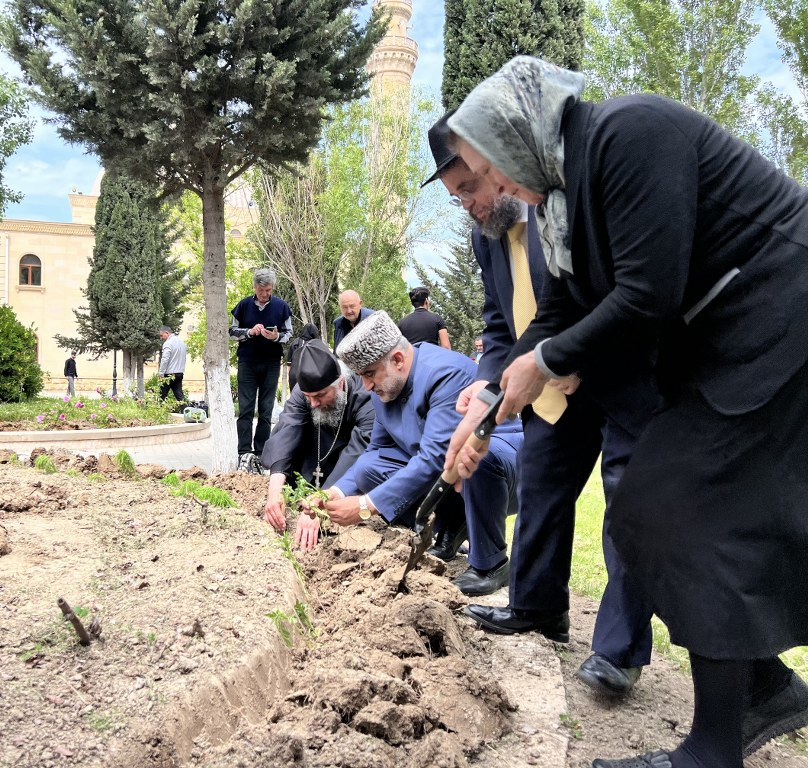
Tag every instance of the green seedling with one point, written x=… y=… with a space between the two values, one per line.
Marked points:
x=294 y=495
x=125 y=463
x=572 y=725
x=172 y=479
x=45 y=464
x=97 y=477
x=286 y=545
x=216 y=497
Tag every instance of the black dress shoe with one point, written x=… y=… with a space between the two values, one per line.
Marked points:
x=448 y=542
x=784 y=712
x=607 y=678
x=509 y=621
x=473 y=582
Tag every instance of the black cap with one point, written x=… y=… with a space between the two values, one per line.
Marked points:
x=439 y=146
x=317 y=366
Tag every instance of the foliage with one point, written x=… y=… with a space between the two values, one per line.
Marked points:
x=81 y=413
x=20 y=373
x=294 y=495
x=288 y=624
x=285 y=544
x=97 y=477
x=135 y=285
x=191 y=94
x=45 y=464
x=482 y=35
x=125 y=463
x=456 y=292
x=346 y=218
x=16 y=129
x=790 y=18
x=689 y=50
x=206 y=493
x=172 y=479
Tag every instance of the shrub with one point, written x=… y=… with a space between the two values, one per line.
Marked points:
x=20 y=373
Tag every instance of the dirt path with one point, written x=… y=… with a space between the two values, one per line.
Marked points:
x=192 y=668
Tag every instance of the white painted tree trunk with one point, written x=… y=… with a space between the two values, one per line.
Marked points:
x=127 y=371
x=217 y=359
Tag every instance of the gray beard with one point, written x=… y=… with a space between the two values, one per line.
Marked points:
x=505 y=212
x=332 y=416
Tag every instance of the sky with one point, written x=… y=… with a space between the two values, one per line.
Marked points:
x=46 y=170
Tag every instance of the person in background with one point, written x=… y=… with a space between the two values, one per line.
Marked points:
x=261 y=324
x=478 y=349
x=172 y=364
x=70 y=374
x=351 y=314
x=308 y=333
x=421 y=324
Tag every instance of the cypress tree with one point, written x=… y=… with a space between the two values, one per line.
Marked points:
x=482 y=35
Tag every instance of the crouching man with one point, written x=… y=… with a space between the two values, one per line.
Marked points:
x=414 y=390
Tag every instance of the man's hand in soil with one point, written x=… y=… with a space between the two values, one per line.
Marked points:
x=275 y=509
x=346 y=511
x=307 y=532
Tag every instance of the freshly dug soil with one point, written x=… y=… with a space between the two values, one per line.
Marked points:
x=212 y=650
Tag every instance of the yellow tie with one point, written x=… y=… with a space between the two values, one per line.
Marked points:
x=551 y=403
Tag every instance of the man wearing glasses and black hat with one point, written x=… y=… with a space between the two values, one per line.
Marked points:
x=561 y=445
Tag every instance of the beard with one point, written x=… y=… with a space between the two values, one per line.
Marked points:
x=331 y=416
x=391 y=389
x=505 y=212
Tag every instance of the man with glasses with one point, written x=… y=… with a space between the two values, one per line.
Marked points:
x=562 y=442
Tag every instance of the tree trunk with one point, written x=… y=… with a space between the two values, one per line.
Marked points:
x=217 y=363
x=141 y=384
x=127 y=370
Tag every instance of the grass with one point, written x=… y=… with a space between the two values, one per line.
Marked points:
x=125 y=463
x=45 y=464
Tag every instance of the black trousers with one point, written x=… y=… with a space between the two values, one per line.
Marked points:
x=256 y=379
x=172 y=382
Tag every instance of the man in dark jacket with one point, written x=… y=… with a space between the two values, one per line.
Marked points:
x=351 y=314
x=262 y=323
x=325 y=426
x=70 y=374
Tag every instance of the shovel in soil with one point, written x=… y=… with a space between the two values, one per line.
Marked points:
x=425 y=516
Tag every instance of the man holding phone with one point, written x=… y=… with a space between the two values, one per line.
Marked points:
x=261 y=324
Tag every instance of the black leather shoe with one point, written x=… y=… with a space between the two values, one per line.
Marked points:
x=648 y=760
x=607 y=678
x=448 y=542
x=473 y=582
x=509 y=621
x=784 y=712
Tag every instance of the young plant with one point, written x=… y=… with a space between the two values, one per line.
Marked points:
x=45 y=464
x=172 y=479
x=285 y=544
x=216 y=497
x=125 y=463
x=294 y=495
x=97 y=477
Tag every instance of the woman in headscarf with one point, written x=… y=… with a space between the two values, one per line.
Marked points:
x=674 y=239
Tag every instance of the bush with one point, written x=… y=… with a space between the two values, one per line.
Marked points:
x=20 y=373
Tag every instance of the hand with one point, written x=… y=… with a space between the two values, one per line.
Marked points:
x=270 y=333
x=468 y=460
x=275 y=509
x=469 y=395
x=344 y=511
x=566 y=384
x=315 y=501
x=522 y=383
x=307 y=533
x=256 y=330
x=469 y=404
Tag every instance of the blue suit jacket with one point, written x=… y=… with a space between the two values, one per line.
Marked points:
x=416 y=427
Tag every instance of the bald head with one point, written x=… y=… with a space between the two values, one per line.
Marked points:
x=350 y=303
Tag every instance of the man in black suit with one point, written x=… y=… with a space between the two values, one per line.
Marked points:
x=561 y=447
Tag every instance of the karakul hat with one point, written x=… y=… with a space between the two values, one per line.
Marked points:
x=369 y=342
x=317 y=367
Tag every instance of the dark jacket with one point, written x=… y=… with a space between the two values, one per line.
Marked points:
x=663 y=203
x=70 y=367
x=342 y=327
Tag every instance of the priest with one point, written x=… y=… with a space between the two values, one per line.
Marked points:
x=325 y=426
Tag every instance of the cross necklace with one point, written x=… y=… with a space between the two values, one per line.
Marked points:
x=318 y=473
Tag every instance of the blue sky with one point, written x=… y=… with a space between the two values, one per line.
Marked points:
x=48 y=169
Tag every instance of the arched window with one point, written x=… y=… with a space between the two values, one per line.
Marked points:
x=30 y=270
x=235 y=233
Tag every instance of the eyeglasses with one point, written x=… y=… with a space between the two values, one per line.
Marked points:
x=460 y=198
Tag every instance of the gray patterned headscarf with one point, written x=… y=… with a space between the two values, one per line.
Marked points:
x=513 y=119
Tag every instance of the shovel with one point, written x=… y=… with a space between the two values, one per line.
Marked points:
x=425 y=515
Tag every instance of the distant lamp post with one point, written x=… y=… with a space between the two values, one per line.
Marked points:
x=114 y=373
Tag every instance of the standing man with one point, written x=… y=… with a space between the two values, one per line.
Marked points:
x=423 y=325
x=172 y=364
x=324 y=428
x=70 y=374
x=478 y=349
x=351 y=314
x=413 y=390
x=562 y=442
x=262 y=323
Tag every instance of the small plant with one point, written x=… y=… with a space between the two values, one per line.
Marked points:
x=125 y=463
x=302 y=613
x=283 y=623
x=572 y=725
x=104 y=722
x=286 y=545
x=289 y=623
x=294 y=495
x=45 y=464
x=217 y=497
x=172 y=479
x=14 y=460
x=72 y=472
x=97 y=477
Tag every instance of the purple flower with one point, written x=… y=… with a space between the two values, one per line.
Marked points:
x=98 y=389
x=66 y=398
x=102 y=405
x=115 y=398
x=110 y=417
x=93 y=415
x=79 y=405
x=61 y=417
x=40 y=418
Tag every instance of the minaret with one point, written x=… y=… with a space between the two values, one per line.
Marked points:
x=393 y=61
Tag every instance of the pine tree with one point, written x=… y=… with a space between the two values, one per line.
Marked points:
x=451 y=294
x=134 y=285
x=191 y=93
x=482 y=35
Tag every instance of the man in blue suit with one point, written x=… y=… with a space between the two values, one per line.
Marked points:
x=414 y=389
x=560 y=449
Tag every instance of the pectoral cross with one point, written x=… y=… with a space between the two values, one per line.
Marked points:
x=318 y=476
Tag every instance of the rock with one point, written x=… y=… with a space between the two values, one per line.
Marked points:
x=5 y=546
x=154 y=471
